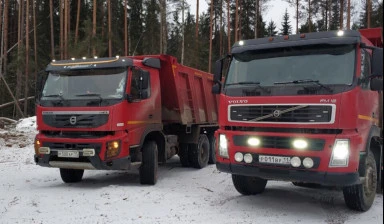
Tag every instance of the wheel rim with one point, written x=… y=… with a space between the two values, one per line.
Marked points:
x=370 y=182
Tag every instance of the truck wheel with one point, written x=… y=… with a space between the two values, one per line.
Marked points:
x=71 y=175
x=149 y=165
x=183 y=154
x=212 y=156
x=199 y=153
x=360 y=197
x=248 y=185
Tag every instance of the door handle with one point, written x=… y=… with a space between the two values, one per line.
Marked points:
x=150 y=116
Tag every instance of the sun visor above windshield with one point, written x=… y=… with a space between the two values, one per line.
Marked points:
x=80 y=64
x=271 y=45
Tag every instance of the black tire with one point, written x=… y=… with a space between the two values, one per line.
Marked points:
x=149 y=165
x=212 y=154
x=71 y=175
x=183 y=154
x=199 y=153
x=360 y=197
x=248 y=185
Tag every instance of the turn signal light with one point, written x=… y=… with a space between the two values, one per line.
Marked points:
x=37 y=146
x=113 y=149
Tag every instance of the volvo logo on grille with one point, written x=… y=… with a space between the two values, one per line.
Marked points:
x=276 y=113
x=73 y=120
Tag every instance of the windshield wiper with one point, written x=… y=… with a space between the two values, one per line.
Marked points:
x=62 y=99
x=301 y=81
x=257 y=84
x=92 y=94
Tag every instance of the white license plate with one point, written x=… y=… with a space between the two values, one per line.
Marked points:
x=275 y=160
x=68 y=154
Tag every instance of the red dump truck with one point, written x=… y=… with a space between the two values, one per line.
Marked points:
x=304 y=108
x=124 y=113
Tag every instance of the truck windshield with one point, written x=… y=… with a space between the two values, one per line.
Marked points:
x=328 y=64
x=99 y=84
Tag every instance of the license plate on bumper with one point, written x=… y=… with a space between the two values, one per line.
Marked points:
x=68 y=154
x=281 y=160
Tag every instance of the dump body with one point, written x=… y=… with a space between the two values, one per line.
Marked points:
x=186 y=93
x=303 y=108
x=122 y=113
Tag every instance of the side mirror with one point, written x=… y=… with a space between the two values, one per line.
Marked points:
x=377 y=62
x=218 y=71
x=216 y=88
x=376 y=84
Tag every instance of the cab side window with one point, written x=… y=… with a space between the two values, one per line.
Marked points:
x=365 y=69
x=140 y=84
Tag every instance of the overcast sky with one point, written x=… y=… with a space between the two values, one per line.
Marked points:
x=275 y=10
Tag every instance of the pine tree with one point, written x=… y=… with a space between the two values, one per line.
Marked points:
x=136 y=26
x=285 y=24
x=271 y=29
x=335 y=20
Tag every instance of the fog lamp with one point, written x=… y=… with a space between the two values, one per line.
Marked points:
x=239 y=157
x=248 y=158
x=308 y=163
x=296 y=162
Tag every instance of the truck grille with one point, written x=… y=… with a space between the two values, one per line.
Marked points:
x=75 y=120
x=283 y=113
x=279 y=142
x=69 y=146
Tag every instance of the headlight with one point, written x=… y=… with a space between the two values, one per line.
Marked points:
x=300 y=144
x=340 y=153
x=253 y=141
x=223 y=146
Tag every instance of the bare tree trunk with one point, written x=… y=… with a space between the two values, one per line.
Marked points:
x=329 y=14
x=182 y=31
x=229 y=26
x=5 y=34
x=163 y=24
x=35 y=39
x=369 y=12
x=77 y=21
x=341 y=14
x=109 y=28
x=349 y=15
x=297 y=15
x=126 y=27
x=240 y=23
x=236 y=20
x=210 y=38
x=62 y=29
x=221 y=28
x=1 y=36
x=257 y=11
x=26 y=57
x=309 y=16
x=94 y=27
x=19 y=48
x=66 y=26
x=52 y=31
x=197 y=34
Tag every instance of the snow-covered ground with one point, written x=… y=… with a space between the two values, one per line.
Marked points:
x=34 y=194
